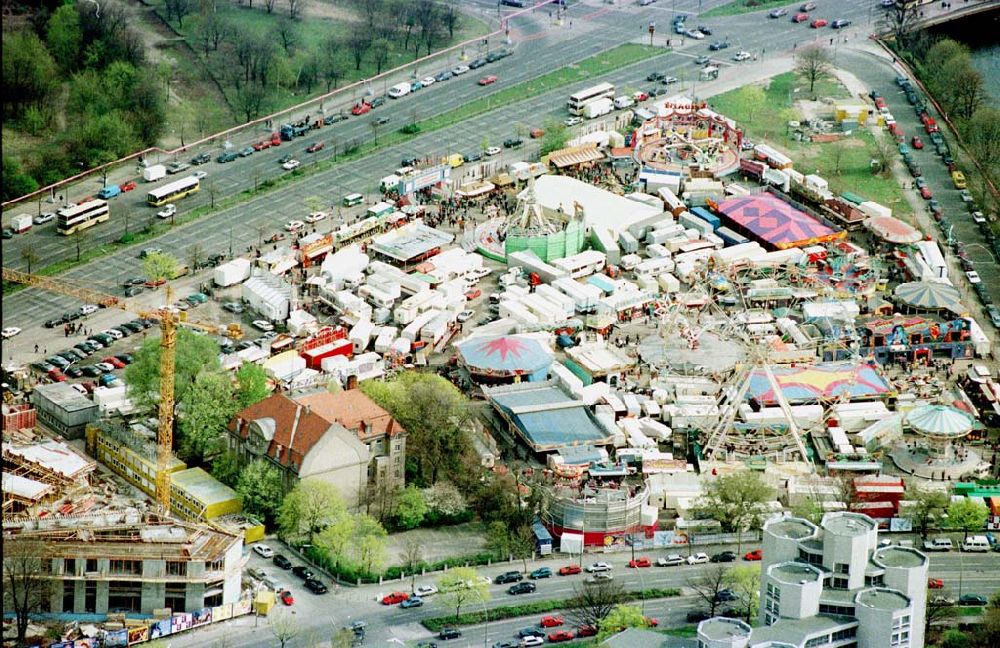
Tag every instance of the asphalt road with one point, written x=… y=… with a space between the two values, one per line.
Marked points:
x=240 y=226
x=393 y=625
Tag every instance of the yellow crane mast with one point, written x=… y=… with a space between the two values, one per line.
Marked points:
x=168 y=343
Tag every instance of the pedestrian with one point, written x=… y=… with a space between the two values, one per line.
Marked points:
x=36 y=348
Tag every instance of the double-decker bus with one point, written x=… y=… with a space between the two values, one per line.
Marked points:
x=173 y=191
x=580 y=99
x=82 y=216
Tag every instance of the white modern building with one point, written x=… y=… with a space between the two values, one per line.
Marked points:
x=831 y=585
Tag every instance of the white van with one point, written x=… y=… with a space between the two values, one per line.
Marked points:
x=976 y=543
x=623 y=102
x=399 y=90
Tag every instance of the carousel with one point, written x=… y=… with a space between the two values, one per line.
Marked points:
x=936 y=449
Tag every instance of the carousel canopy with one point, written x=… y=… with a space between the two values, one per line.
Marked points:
x=940 y=421
x=930 y=295
x=504 y=354
x=892 y=230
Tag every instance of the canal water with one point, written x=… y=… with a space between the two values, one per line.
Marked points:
x=981 y=33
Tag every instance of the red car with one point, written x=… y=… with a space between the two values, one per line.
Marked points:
x=287 y=598
x=361 y=108
x=275 y=139
x=472 y=294
x=127 y=186
x=569 y=570
x=819 y=22
x=925 y=193
x=935 y=583
x=917 y=142
x=640 y=562
x=640 y=95
x=114 y=362
x=89 y=385
x=756 y=554
x=394 y=598
x=317 y=146
x=586 y=631
x=800 y=17
x=551 y=621
x=57 y=375
x=536 y=133
x=487 y=80
x=260 y=146
x=652 y=622
x=560 y=635
x=879 y=103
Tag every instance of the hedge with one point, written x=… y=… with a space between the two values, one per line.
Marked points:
x=434 y=624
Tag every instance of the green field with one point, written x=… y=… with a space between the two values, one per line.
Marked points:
x=741 y=7
x=855 y=152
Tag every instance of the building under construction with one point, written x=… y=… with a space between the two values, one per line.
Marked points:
x=45 y=478
x=127 y=562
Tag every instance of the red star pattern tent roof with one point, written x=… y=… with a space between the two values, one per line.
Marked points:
x=776 y=223
x=504 y=355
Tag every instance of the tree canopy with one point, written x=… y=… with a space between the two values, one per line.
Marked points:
x=736 y=500
x=621 y=616
x=251 y=385
x=193 y=354
x=967 y=515
x=308 y=509
x=459 y=587
x=260 y=487
x=207 y=409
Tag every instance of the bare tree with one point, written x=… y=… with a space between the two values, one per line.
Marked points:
x=177 y=9
x=380 y=53
x=837 y=156
x=212 y=31
x=269 y=5
x=295 y=8
x=332 y=64
x=884 y=154
x=712 y=580
x=413 y=558
x=358 y=43
x=939 y=608
x=967 y=88
x=284 y=627
x=80 y=237
x=900 y=19
x=25 y=588
x=195 y=253
x=592 y=602
x=451 y=18
x=29 y=256
x=287 y=33
x=814 y=63
x=248 y=101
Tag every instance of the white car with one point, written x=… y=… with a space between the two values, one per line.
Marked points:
x=671 y=560
x=88 y=309
x=263 y=550
x=529 y=642
x=44 y=217
x=599 y=567
x=698 y=559
x=80 y=388
x=263 y=325
x=291 y=164
x=428 y=81
x=465 y=316
x=742 y=56
x=479 y=273
x=978 y=218
x=459 y=69
x=973 y=277
x=965 y=195
x=573 y=121
x=294 y=225
x=106 y=367
x=493 y=150
x=425 y=590
x=113 y=333
x=199 y=174
x=695 y=34
x=9 y=332
x=315 y=217
x=600 y=576
x=167 y=211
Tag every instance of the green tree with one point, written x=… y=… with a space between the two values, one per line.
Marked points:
x=309 y=508
x=554 y=138
x=621 y=617
x=752 y=99
x=335 y=539
x=251 y=385
x=193 y=354
x=982 y=133
x=260 y=486
x=967 y=515
x=410 y=508
x=736 y=501
x=16 y=182
x=459 y=587
x=159 y=266
x=953 y=638
x=433 y=411
x=208 y=406
x=29 y=74
x=926 y=507
x=808 y=509
x=814 y=63
x=369 y=543
x=64 y=37
x=746 y=585
x=226 y=468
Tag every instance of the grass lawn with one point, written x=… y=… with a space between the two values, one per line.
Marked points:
x=741 y=7
x=849 y=173
x=686 y=632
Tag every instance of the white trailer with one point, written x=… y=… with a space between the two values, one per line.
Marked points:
x=584 y=296
x=154 y=173
x=517 y=311
x=412 y=306
x=361 y=334
x=232 y=273
x=529 y=262
x=435 y=329
x=386 y=336
x=655 y=266
x=602 y=239
x=598 y=108
x=557 y=299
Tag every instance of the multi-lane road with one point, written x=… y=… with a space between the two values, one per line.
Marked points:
x=542 y=47
x=961 y=573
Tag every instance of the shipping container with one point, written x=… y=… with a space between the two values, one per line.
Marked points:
x=707 y=216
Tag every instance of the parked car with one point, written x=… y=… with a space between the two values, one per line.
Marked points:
x=640 y=562
x=302 y=572
x=598 y=567
x=935 y=583
x=508 y=577
x=412 y=602
x=698 y=559
x=394 y=598
x=560 y=635
x=315 y=586
x=541 y=572
x=723 y=556
x=513 y=142
x=671 y=560
x=756 y=554
x=972 y=599
x=281 y=561
x=569 y=570
x=449 y=633
x=425 y=590
x=521 y=588
x=246 y=151
x=725 y=595
x=551 y=621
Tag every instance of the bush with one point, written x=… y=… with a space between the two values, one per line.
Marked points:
x=410 y=129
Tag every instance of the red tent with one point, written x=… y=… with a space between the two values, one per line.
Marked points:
x=776 y=223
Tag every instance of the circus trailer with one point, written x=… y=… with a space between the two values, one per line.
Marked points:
x=752 y=168
x=604 y=240
x=655 y=179
x=774 y=158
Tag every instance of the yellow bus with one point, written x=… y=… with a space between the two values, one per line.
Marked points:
x=82 y=216
x=173 y=191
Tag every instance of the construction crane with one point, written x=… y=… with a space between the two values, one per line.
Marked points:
x=168 y=343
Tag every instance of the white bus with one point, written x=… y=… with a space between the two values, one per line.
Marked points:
x=173 y=191
x=82 y=216
x=580 y=99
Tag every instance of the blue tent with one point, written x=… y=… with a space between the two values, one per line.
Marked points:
x=506 y=355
